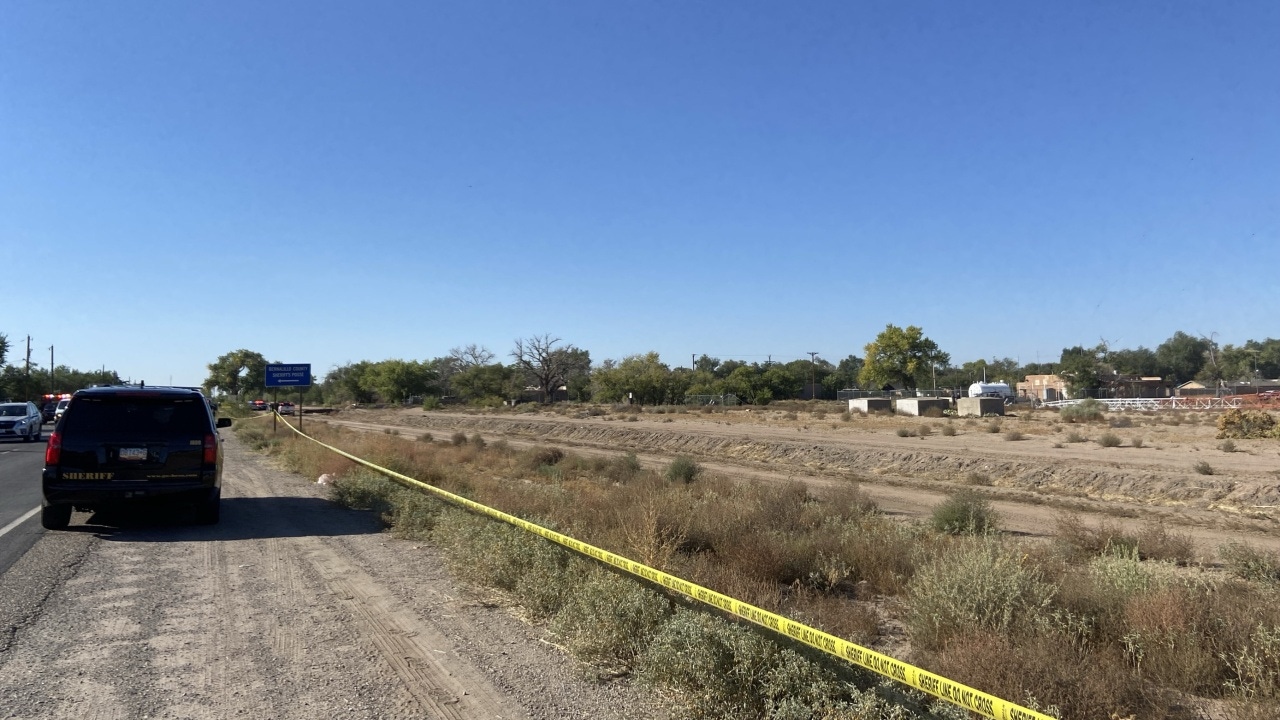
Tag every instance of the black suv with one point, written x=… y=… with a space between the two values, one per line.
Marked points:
x=124 y=444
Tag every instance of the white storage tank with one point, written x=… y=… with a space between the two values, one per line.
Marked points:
x=995 y=389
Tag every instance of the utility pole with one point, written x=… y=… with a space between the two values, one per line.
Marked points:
x=28 y=356
x=52 y=387
x=813 y=375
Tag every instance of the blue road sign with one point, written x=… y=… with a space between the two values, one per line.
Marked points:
x=295 y=375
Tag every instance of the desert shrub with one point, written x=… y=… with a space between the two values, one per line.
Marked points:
x=1123 y=421
x=1109 y=440
x=1250 y=563
x=545 y=456
x=477 y=441
x=924 y=430
x=949 y=430
x=1165 y=638
x=992 y=427
x=426 y=438
x=1227 y=446
x=413 y=515
x=1075 y=437
x=623 y=469
x=1203 y=467
x=978 y=584
x=1014 y=436
x=458 y=439
x=965 y=513
x=1081 y=541
x=977 y=478
x=790 y=416
x=496 y=554
x=731 y=671
x=364 y=490
x=609 y=618
x=1256 y=665
x=1246 y=424
x=683 y=470
x=1156 y=542
x=1136 y=442
x=846 y=416
x=904 y=432
x=1086 y=411
x=431 y=403
x=1052 y=671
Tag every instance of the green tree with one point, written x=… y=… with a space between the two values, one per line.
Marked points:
x=398 y=380
x=900 y=356
x=237 y=372
x=844 y=376
x=1081 y=369
x=644 y=378
x=478 y=382
x=348 y=383
x=1182 y=357
x=4 y=348
x=1134 y=362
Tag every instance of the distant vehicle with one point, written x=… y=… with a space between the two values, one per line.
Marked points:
x=49 y=406
x=285 y=408
x=996 y=390
x=60 y=409
x=257 y=404
x=21 y=420
x=131 y=445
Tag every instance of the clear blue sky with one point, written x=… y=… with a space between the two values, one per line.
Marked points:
x=327 y=182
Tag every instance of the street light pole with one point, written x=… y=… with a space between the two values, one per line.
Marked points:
x=813 y=375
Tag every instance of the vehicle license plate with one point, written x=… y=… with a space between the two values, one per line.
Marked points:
x=134 y=454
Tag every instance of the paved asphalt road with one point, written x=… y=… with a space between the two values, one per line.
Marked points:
x=20 y=465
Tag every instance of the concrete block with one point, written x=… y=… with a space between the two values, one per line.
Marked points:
x=918 y=406
x=870 y=405
x=980 y=406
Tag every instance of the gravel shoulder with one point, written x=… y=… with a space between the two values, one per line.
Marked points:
x=291 y=607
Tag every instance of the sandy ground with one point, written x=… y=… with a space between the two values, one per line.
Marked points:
x=291 y=607
x=1032 y=482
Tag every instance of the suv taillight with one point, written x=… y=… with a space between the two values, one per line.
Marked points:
x=53 y=452
x=210 y=449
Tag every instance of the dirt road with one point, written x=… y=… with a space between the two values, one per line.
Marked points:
x=290 y=608
x=1032 y=481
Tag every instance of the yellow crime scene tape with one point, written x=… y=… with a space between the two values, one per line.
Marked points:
x=940 y=687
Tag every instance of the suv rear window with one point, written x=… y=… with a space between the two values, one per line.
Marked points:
x=133 y=418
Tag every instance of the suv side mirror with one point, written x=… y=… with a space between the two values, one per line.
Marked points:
x=224 y=422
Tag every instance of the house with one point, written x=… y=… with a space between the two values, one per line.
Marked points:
x=1046 y=388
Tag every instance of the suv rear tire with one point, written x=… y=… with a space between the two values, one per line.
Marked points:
x=55 y=517
x=209 y=510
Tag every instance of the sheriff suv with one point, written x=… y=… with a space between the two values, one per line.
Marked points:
x=132 y=444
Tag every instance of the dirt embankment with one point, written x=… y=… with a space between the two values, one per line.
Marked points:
x=1151 y=476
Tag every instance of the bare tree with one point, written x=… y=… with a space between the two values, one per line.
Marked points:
x=548 y=366
x=471 y=356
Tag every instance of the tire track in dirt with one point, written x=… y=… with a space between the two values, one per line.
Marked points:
x=408 y=647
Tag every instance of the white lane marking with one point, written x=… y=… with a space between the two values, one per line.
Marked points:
x=30 y=514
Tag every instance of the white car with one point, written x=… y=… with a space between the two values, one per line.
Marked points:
x=21 y=420
x=62 y=408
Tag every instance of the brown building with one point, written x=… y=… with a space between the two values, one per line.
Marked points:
x=1046 y=388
